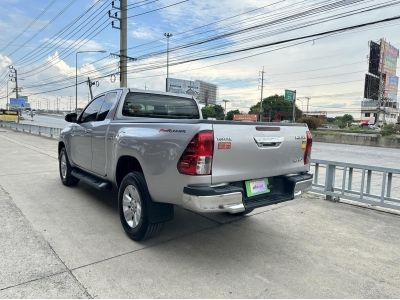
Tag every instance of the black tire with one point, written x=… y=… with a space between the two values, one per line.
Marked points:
x=144 y=229
x=68 y=179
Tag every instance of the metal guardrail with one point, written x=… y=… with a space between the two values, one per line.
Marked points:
x=33 y=129
x=362 y=183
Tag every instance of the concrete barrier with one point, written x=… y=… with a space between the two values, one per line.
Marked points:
x=356 y=139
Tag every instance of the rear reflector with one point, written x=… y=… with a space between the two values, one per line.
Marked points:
x=198 y=155
x=307 y=152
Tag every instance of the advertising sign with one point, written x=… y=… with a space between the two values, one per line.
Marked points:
x=245 y=117
x=18 y=102
x=371 y=87
x=389 y=55
x=180 y=86
x=391 y=86
x=374 y=58
x=290 y=95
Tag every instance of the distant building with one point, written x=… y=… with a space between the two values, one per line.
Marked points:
x=204 y=92
x=380 y=103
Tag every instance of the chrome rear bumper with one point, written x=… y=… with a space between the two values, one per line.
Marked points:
x=232 y=199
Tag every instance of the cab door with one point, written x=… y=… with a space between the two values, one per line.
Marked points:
x=81 y=136
x=99 y=134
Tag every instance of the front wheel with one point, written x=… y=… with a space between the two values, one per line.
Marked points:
x=65 y=169
x=134 y=201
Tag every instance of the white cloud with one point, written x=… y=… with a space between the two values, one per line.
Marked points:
x=143 y=33
x=81 y=44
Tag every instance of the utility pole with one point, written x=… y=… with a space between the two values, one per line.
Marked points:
x=262 y=91
x=90 y=88
x=123 y=44
x=225 y=106
x=167 y=35
x=14 y=75
x=294 y=107
x=7 y=105
x=380 y=90
x=123 y=39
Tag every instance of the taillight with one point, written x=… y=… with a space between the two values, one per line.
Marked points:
x=307 y=152
x=198 y=155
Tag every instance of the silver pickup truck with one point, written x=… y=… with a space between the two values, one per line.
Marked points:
x=156 y=149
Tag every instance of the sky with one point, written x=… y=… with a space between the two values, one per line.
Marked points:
x=40 y=39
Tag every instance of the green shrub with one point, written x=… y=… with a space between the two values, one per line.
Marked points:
x=312 y=122
x=390 y=129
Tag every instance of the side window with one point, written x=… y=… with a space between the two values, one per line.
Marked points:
x=108 y=103
x=90 y=113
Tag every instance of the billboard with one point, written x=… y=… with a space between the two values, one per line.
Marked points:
x=391 y=86
x=389 y=55
x=371 y=87
x=21 y=102
x=374 y=58
x=180 y=86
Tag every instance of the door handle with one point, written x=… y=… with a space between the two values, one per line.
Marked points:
x=88 y=130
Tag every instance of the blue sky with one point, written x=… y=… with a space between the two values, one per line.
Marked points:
x=329 y=70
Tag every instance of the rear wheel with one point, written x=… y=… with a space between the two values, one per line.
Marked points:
x=65 y=169
x=134 y=202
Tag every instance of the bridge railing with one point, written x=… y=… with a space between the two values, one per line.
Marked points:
x=33 y=129
x=376 y=186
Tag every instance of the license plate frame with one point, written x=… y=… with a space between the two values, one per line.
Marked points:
x=257 y=187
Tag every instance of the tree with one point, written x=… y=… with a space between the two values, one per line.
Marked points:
x=213 y=111
x=344 y=121
x=275 y=108
x=229 y=114
x=312 y=122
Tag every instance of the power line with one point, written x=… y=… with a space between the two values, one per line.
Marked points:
x=29 y=25
x=63 y=10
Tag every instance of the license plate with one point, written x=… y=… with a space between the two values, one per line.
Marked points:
x=257 y=187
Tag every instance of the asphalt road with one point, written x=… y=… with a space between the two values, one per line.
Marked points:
x=45 y=120
x=365 y=155
x=59 y=242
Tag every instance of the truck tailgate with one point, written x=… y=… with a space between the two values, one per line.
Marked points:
x=243 y=151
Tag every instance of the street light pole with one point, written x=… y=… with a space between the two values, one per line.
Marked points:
x=167 y=35
x=76 y=73
x=225 y=106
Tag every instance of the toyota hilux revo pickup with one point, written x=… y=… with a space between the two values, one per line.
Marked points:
x=157 y=151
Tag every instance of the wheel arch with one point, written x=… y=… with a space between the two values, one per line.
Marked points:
x=125 y=165
x=60 y=146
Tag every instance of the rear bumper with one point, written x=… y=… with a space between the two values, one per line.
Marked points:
x=231 y=198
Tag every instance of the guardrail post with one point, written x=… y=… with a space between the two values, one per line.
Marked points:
x=51 y=132
x=389 y=185
x=369 y=175
x=344 y=180
x=362 y=184
x=316 y=171
x=350 y=182
x=330 y=181
x=383 y=187
x=40 y=130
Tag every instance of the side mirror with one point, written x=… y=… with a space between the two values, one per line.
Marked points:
x=71 y=117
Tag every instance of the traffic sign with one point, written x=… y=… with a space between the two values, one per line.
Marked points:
x=290 y=95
